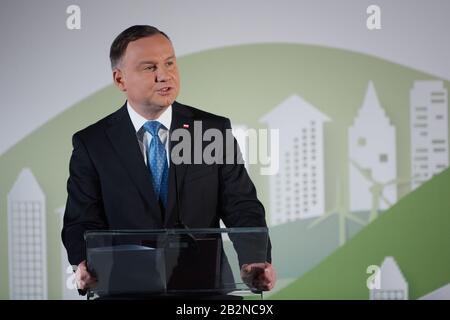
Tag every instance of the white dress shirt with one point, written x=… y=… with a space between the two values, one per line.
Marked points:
x=144 y=138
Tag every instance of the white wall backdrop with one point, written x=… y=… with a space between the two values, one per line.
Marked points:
x=36 y=45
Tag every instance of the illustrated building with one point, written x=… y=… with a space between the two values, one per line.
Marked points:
x=392 y=283
x=297 y=190
x=429 y=130
x=371 y=145
x=27 y=244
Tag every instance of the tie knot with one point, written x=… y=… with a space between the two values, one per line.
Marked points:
x=153 y=127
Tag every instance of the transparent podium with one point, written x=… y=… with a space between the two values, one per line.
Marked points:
x=174 y=262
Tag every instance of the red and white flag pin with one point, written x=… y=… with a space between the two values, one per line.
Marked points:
x=185 y=125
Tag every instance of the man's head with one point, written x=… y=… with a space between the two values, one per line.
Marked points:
x=144 y=67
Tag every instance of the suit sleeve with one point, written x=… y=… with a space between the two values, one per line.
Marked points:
x=240 y=206
x=84 y=207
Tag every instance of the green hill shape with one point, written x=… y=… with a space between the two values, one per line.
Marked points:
x=415 y=232
x=297 y=249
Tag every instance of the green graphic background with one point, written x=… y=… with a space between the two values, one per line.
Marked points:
x=244 y=83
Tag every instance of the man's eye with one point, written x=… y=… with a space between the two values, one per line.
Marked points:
x=152 y=68
x=169 y=63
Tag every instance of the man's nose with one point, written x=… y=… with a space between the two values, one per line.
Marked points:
x=162 y=75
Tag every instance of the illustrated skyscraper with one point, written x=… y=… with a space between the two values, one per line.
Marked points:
x=372 y=147
x=27 y=244
x=297 y=191
x=429 y=130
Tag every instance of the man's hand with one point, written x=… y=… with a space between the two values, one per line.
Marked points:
x=261 y=276
x=84 y=280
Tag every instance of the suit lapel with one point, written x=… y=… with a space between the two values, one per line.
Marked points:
x=181 y=117
x=122 y=135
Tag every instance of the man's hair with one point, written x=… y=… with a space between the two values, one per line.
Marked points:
x=133 y=33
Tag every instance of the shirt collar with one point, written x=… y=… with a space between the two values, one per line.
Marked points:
x=138 y=121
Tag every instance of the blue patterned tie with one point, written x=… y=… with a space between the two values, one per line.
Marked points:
x=157 y=161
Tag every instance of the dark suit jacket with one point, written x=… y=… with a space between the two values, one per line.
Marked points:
x=110 y=186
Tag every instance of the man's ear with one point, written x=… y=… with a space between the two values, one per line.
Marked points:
x=118 y=79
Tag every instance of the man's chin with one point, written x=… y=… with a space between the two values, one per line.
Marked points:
x=166 y=102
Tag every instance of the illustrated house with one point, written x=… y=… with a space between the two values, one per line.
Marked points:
x=429 y=130
x=27 y=244
x=372 y=147
x=297 y=190
x=392 y=283
x=442 y=293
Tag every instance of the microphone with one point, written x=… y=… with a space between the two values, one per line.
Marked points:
x=179 y=224
x=189 y=237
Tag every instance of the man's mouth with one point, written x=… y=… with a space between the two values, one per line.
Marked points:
x=164 y=91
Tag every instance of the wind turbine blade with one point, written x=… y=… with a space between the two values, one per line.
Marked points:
x=402 y=181
x=397 y=182
x=363 y=171
x=319 y=220
x=391 y=182
x=354 y=218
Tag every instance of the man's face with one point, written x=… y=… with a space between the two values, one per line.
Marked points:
x=148 y=73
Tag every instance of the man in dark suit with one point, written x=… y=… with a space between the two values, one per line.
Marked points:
x=123 y=174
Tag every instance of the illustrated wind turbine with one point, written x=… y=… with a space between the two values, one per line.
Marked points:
x=343 y=213
x=377 y=189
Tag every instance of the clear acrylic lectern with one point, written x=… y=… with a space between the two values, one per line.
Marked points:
x=173 y=262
